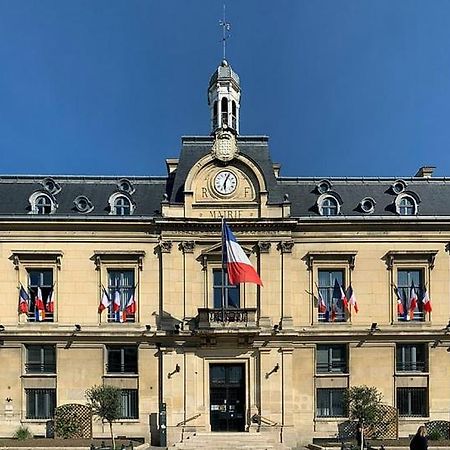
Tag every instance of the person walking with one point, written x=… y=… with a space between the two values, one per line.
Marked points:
x=419 y=440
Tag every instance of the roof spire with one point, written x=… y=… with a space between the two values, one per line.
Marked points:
x=226 y=27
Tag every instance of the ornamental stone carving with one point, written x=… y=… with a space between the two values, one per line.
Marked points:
x=286 y=246
x=264 y=246
x=165 y=246
x=224 y=148
x=187 y=246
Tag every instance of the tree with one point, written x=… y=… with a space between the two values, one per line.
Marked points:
x=364 y=403
x=105 y=404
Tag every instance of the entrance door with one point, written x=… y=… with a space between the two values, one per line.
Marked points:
x=227 y=397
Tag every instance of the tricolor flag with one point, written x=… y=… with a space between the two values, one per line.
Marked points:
x=239 y=268
x=131 y=304
x=50 y=306
x=352 y=299
x=104 y=302
x=400 y=308
x=412 y=301
x=338 y=294
x=39 y=308
x=24 y=300
x=116 y=303
x=333 y=312
x=321 y=305
x=426 y=301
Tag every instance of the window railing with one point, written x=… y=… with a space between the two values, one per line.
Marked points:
x=37 y=367
x=335 y=367
x=45 y=317
x=418 y=366
x=122 y=368
x=238 y=317
x=419 y=316
x=327 y=317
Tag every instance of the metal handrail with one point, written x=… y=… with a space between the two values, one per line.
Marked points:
x=259 y=419
x=183 y=422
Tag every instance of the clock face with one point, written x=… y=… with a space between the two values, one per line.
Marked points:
x=225 y=182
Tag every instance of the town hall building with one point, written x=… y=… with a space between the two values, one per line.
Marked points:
x=356 y=289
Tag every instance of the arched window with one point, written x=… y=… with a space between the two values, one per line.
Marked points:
x=43 y=205
x=233 y=114
x=406 y=206
x=122 y=206
x=329 y=207
x=215 y=115
x=224 y=105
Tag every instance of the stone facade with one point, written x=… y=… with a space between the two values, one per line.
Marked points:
x=269 y=360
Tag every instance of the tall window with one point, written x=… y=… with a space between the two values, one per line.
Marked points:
x=43 y=205
x=331 y=358
x=329 y=207
x=122 y=359
x=406 y=206
x=412 y=402
x=331 y=402
x=233 y=114
x=122 y=206
x=215 y=115
x=40 y=403
x=41 y=359
x=231 y=293
x=335 y=308
x=121 y=289
x=224 y=105
x=411 y=358
x=129 y=406
x=410 y=285
x=40 y=287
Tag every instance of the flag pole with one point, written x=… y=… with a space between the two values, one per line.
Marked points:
x=223 y=270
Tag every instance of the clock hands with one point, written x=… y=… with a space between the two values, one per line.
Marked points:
x=225 y=181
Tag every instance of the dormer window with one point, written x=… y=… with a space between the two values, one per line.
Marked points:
x=125 y=186
x=328 y=206
x=121 y=205
x=51 y=186
x=323 y=186
x=83 y=204
x=42 y=204
x=406 y=206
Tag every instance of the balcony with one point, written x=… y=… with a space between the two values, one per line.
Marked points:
x=211 y=318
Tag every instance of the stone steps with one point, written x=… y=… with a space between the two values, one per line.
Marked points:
x=231 y=441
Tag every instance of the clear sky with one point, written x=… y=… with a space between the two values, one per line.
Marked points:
x=108 y=87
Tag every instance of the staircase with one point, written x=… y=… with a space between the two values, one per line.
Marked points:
x=231 y=441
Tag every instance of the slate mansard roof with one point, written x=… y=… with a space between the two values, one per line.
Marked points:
x=431 y=194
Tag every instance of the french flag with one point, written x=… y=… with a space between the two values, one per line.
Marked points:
x=426 y=301
x=24 y=299
x=131 y=304
x=116 y=303
x=38 y=301
x=104 y=302
x=239 y=268
x=50 y=306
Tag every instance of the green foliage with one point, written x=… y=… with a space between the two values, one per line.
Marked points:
x=435 y=435
x=67 y=424
x=363 y=403
x=22 y=433
x=105 y=404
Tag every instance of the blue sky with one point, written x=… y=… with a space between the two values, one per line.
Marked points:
x=343 y=88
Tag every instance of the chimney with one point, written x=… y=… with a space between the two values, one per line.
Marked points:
x=425 y=172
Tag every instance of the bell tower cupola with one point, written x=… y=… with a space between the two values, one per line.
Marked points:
x=224 y=94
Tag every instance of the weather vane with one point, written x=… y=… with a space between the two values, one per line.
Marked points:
x=226 y=27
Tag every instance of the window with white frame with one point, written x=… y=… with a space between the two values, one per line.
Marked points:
x=412 y=401
x=40 y=403
x=40 y=359
x=331 y=402
x=406 y=206
x=411 y=358
x=329 y=206
x=42 y=203
x=331 y=358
